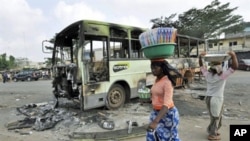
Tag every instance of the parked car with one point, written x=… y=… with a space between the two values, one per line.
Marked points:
x=26 y=75
x=244 y=64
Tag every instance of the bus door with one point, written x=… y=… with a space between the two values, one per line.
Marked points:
x=95 y=57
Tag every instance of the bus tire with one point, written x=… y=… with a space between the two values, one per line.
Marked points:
x=116 y=97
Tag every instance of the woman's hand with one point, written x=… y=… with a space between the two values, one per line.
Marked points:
x=234 y=60
x=231 y=53
x=153 y=125
x=203 y=53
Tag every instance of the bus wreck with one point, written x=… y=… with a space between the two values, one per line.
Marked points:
x=101 y=64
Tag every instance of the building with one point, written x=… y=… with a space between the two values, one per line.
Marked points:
x=22 y=62
x=239 y=43
x=236 y=42
x=26 y=63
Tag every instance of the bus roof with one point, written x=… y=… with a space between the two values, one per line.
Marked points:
x=72 y=29
x=78 y=23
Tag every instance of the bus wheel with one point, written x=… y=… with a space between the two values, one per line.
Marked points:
x=115 y=97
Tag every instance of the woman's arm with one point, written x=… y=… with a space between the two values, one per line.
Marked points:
x=200 y=59
x=234 y=60
x=160 y=115
x=162 y=112
x=203 y=68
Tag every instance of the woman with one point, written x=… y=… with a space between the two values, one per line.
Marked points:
x=216 y=80
x=164 y=118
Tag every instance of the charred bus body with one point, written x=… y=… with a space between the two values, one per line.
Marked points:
x=102 y=64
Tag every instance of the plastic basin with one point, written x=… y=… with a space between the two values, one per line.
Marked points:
x=144 y=95
x=159 y=51
x=216 y=57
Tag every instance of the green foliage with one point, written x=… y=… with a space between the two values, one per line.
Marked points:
x=12 y=63
x=163 y=22
x=48 y=62
x=210 y=21
x=6 y=64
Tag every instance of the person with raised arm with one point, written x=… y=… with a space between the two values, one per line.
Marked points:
x=216 y=79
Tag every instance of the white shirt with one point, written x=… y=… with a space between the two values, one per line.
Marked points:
x=216 y=83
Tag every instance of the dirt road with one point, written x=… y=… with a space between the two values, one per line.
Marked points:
x=194 y=117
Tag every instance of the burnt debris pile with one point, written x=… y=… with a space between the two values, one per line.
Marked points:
x=39 y=117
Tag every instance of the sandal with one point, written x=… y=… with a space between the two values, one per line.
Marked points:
x=212 y=137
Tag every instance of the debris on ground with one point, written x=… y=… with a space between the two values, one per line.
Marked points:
x=25 y=123
x=39 y=117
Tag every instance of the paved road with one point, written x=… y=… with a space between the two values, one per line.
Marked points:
x=192 y=126
x=18 y=93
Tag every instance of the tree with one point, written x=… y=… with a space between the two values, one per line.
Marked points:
x=48 y=62
x=210 y=21
x=163 y=22
x=6 y=64
x=3 y=62
x=12 y=62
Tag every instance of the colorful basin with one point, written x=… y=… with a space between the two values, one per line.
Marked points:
x=159 y=51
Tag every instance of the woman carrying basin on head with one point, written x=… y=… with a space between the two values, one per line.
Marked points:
x=164 y=118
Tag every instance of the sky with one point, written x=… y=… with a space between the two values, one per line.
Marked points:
x=24 y=24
